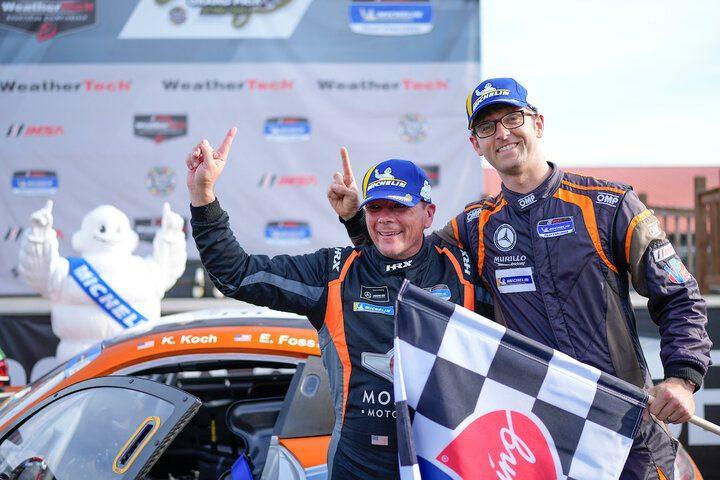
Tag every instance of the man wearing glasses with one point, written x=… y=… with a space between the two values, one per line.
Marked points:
x=555 y=250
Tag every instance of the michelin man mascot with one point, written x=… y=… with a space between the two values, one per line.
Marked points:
x=107 y=289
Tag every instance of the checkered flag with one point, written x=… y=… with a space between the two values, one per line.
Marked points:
x=477 y=401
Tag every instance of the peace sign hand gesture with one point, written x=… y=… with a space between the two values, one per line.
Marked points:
x=204 y=167
x=343 y=193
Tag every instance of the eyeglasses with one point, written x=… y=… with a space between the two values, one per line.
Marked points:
x=509 y=121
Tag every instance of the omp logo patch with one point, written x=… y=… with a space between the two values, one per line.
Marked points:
x=607 y=199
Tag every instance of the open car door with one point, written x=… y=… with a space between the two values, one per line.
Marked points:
x=105 y=428
x=301 y=435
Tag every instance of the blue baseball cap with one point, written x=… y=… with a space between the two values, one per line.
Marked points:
x=492 y=91
x=398 y=180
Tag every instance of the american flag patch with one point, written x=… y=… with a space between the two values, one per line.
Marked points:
x=379 y=440
x=146 y=344
x=245 y=337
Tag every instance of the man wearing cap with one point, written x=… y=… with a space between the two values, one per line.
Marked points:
x=555 y=250
x=348 y=294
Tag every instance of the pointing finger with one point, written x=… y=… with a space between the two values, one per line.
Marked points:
x=49 y=206
x=347 y=168
x=166 y=209
x=227 y=143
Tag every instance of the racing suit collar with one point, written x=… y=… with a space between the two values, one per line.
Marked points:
x=391 y=266
x=525 y=201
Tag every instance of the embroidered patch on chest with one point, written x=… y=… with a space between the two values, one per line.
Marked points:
x=375 y=294
x=441 y=291
x=555 y=227
x=370 y=308
x=514 y=280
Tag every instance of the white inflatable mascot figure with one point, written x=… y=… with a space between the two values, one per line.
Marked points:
x=108 y=288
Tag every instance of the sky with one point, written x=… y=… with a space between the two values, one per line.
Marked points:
x=621 y=83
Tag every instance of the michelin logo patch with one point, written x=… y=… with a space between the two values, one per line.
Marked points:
x=370 y=308
x=555 y=227
x=441 y=291
x=514 y=280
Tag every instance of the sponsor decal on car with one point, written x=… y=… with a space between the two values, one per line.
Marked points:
x=215 y=19
x=47 y=18
x=388 y=17
x=87 y=85
x=285 y=339
x=370 y=308
x=287 y=129
x=160 y=127
x=146 y=344
x=555 y=227
x=17 y=130
x=287 y=232
x=160 y=181
x=271 y=180
x=513 y=280
x=34 y=182
x=413 y=127
x=375 y=294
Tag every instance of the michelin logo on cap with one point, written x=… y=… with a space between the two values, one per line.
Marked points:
x=398 y=180
x=487 y=92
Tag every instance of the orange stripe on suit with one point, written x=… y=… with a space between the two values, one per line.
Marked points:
x=468 y=288
x=335 y=321
x=588 y=212
x=631 y=228
x=484 y=217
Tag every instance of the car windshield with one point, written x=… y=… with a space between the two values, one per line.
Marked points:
x=48 y=381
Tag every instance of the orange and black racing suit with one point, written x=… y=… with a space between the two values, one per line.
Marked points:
x=348 y=294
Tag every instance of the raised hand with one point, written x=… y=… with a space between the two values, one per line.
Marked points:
x=41 y=221
x=171 y=221
x=204 y=167
x=343 y=193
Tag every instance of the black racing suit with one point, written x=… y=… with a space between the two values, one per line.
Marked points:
x=348 y=294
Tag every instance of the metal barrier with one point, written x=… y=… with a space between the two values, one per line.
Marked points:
x=707 y=236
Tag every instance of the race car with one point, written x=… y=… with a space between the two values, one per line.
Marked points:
x=186 y=399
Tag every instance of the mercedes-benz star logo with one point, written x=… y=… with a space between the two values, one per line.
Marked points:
x=505 y=237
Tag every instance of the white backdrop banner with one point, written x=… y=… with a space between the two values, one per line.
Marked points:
x=106 y=112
